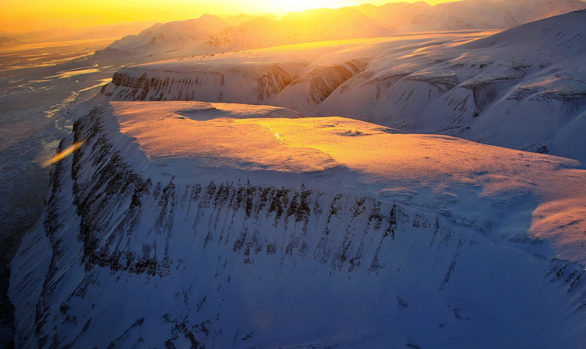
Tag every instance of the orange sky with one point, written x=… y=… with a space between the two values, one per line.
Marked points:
x=31 y=15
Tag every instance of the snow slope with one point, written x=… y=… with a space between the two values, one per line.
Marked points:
x=174 y=39
x=475 y=14
x=207 y=224
x=523 y=88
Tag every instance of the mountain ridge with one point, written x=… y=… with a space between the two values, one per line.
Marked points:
x=234 y=256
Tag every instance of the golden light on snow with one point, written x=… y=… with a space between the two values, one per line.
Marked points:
x=199 y=135
x=32 y=15
x=62 y=154
x=300 y=5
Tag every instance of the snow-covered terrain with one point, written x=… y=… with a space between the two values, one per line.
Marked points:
x=176 y=39
x=194 y=224
x=524 y=88
x=420 y=190
x=37 y=85
x=483 y=14
x=211 y=34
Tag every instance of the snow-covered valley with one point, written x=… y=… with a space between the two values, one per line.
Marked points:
x=422 y=190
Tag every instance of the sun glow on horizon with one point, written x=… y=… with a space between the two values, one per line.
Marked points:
x=301 y=5
x=34 y=15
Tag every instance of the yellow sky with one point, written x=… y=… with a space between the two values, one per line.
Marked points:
x=31 y=15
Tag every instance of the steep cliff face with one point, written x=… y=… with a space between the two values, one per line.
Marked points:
x=325 y=80
x=130 y=252
x=252 y=83
x=288 y=84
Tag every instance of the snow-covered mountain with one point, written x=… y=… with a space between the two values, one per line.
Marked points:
x=471 y=14
x=210 y=34
x=169 y=39
x=523 y=88
x=213 y=201
x=190 y=224
x=306 y=26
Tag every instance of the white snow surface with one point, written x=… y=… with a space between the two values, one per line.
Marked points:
x=221 y=225
x=523 y=88
x=166 y=39
x=186 y=139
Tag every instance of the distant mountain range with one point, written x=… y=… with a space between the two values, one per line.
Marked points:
x=211 y=34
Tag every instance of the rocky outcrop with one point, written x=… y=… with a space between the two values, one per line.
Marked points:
x=242 y=84
x=324 y=80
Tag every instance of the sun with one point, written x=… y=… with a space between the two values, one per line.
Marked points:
x=285 y=6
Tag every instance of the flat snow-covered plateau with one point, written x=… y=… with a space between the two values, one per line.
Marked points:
x=216 y=202
x=222 y=225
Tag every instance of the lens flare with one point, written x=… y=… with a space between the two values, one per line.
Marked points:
x=62 y=154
